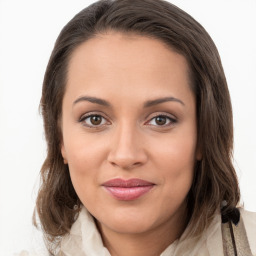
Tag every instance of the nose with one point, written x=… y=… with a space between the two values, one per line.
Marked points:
x=126 y=150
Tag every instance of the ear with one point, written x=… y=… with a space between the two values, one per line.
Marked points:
x=63 y=153
x=198 y=156
x=198 y=153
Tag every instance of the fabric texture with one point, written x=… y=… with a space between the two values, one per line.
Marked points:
x=85 y=240
x=235 y=241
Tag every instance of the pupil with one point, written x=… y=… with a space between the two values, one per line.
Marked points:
x=96 y=120
x=160 y=120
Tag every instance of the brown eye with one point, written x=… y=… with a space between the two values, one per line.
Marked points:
x=160 y=120
x=95 y=120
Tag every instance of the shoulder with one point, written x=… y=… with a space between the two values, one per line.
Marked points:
x=26 y=253
x=249 y=219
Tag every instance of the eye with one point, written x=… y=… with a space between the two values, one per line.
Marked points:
x=93 y=120
x=161 y=120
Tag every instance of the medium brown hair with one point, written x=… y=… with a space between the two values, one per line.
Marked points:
x=215 y=179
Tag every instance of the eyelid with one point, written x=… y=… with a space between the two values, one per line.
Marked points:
x=90 y=114
x=172 y=118
x=169 y=116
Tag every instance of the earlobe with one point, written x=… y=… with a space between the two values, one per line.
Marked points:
x=199 y=153
x=63 y=153
x=198 y=156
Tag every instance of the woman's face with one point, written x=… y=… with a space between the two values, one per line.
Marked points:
x=129 y=131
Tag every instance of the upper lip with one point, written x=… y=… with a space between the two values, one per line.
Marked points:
x=127 y=183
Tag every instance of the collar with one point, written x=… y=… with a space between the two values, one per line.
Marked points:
x=85 y=240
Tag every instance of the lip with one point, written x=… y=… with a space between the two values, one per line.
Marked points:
x=127 y=190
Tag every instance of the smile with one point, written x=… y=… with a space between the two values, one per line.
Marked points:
x=127 y=190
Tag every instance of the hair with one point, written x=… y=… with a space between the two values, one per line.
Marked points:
x=214 y=180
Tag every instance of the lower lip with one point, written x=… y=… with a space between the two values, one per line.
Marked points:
x=128 y=194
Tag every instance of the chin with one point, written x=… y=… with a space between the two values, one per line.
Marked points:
x=129 y=227
x=129 y=222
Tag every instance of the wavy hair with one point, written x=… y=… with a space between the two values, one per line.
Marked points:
x=214 y=180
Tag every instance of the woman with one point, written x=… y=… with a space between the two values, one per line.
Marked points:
x=138 y=124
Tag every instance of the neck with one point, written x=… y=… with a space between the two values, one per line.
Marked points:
x=151 y=243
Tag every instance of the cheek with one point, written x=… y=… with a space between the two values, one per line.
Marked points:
x=84 y=162
x=84 y=152
x=175 y=160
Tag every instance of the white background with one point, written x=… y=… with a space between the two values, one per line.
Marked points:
x=28 y=30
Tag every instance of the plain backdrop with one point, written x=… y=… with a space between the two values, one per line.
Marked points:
x=28 y=30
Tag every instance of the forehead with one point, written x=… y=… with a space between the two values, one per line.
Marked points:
x=125 y=51
x=126 y=62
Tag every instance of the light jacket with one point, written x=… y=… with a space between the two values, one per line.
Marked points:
x=85 y=240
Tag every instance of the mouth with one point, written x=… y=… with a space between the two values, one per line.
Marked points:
x=127 y=190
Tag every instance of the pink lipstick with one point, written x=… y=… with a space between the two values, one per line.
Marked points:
x=127 y=190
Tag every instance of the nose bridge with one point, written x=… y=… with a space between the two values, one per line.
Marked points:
x=126 y=147
x=124 y=140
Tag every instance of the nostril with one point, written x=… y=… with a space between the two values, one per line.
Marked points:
x=126 y=164
x=126 y=152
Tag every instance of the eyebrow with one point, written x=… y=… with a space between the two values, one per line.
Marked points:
x=147 y=104
x=93 y=100
x=162 y=100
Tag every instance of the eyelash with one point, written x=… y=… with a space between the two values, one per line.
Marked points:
x=83 y=118
x=171 y=122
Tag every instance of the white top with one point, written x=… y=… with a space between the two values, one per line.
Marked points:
x=85 y=240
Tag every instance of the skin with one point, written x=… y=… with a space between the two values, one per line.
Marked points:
x=129 y=141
